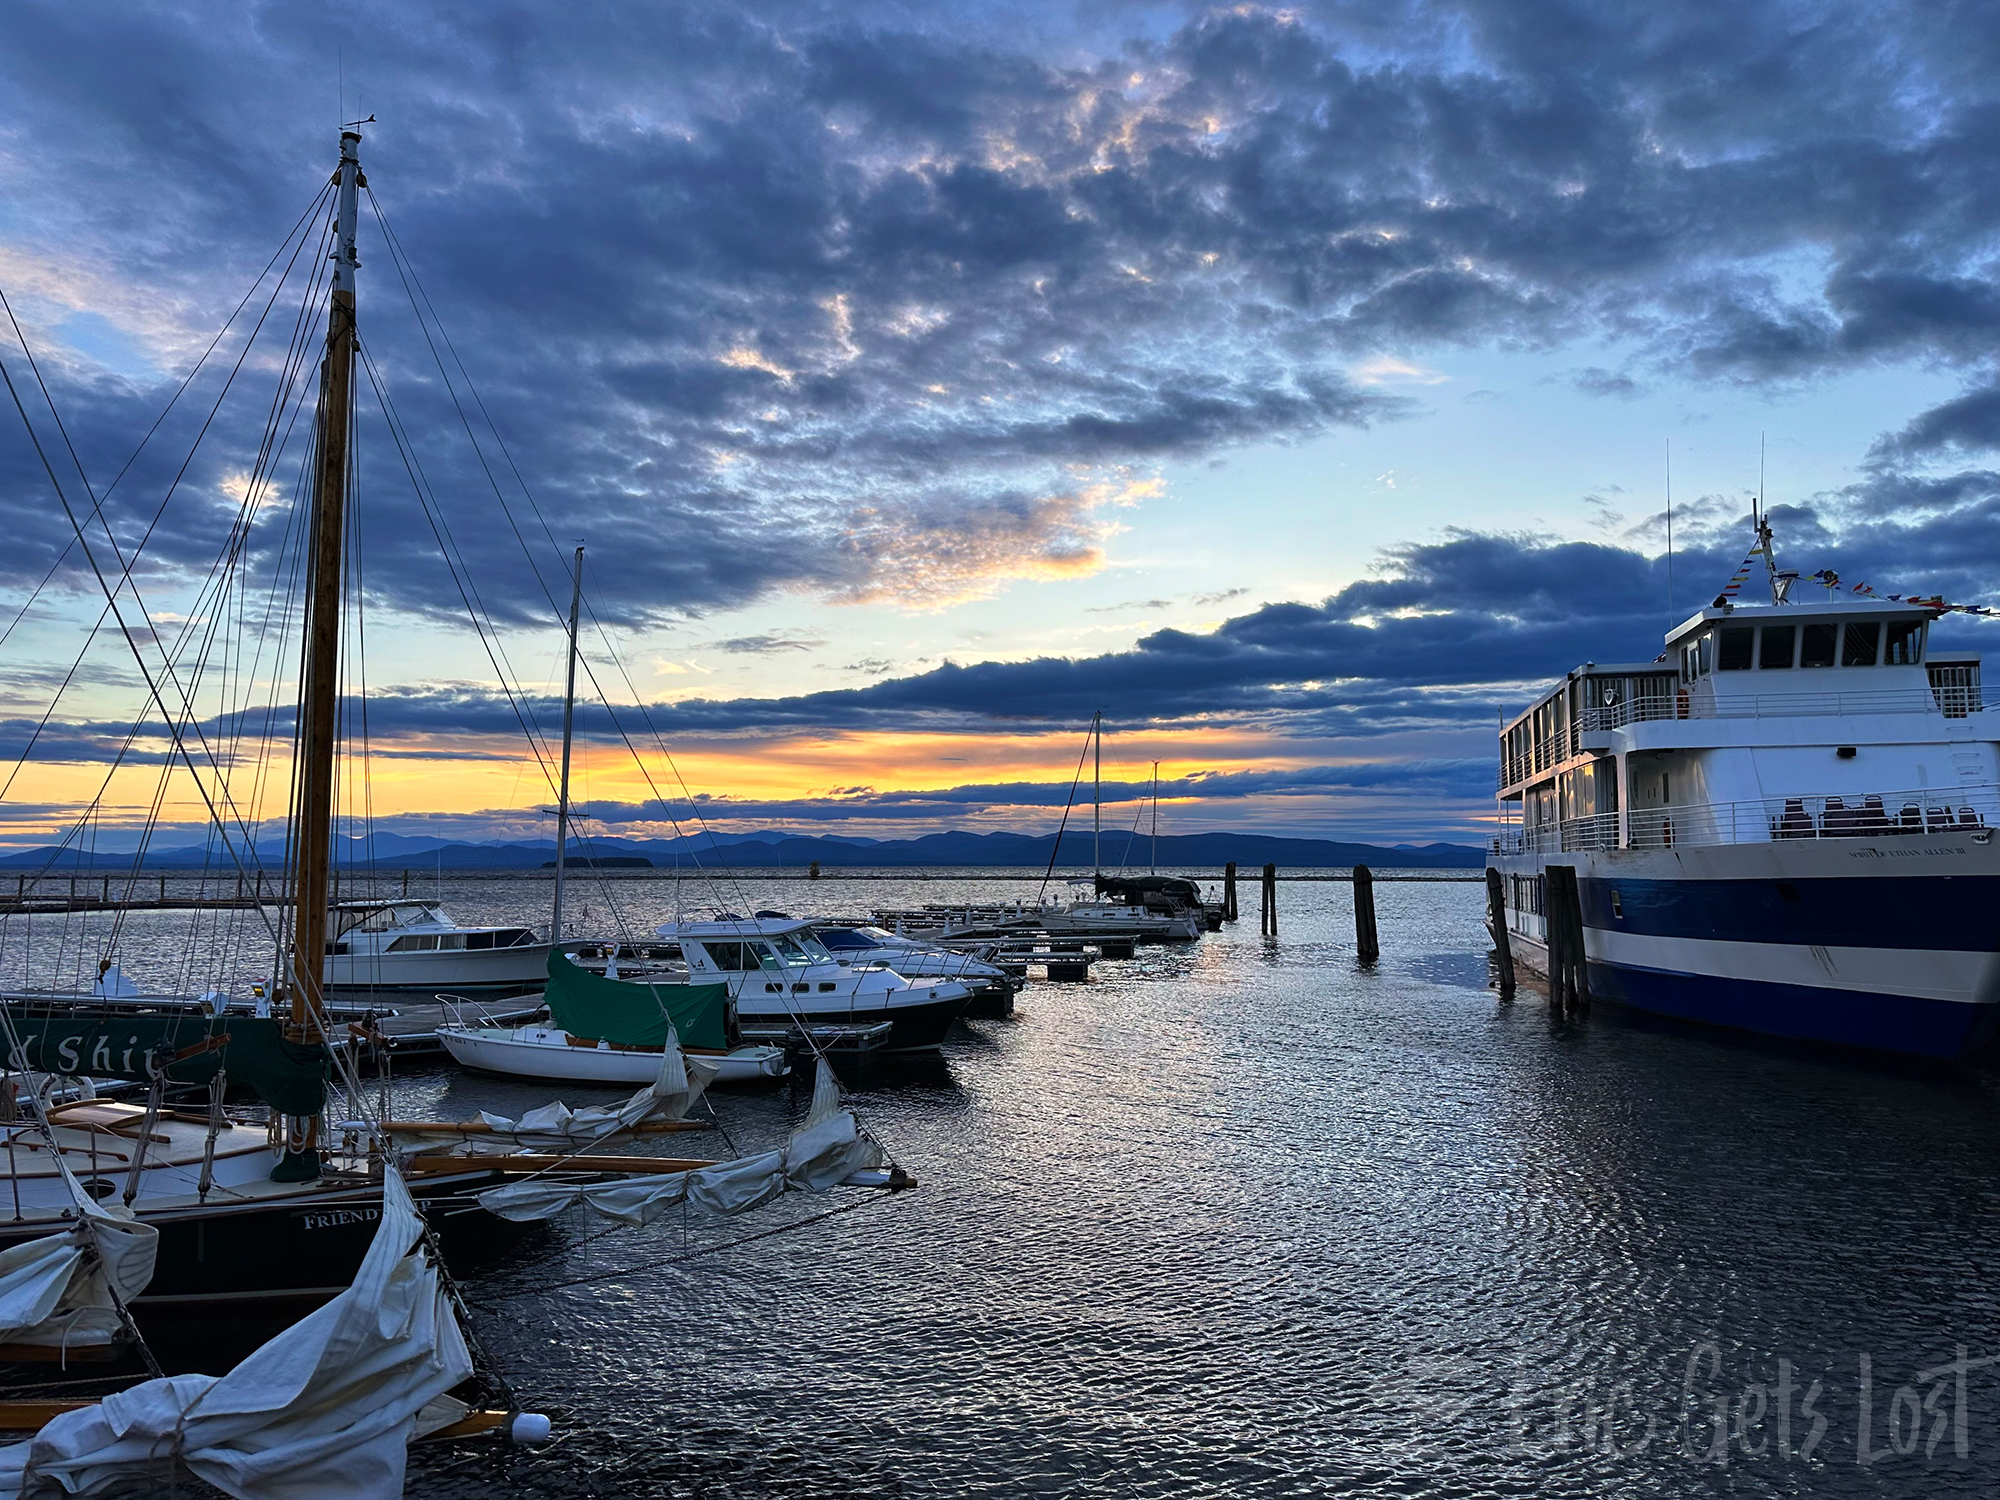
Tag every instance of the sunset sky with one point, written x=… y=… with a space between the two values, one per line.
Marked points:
x=1297 y=386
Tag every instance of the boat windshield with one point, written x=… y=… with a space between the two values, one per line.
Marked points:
x=801 y=948
x=844 y=939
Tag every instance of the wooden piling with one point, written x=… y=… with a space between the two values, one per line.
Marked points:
x=1229 y=892
x=1569 y=979
x=1366 y=947
x=1270 y=902
x=1496 y=920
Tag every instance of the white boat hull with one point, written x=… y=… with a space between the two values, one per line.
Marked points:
x=454 y=971
x=545 y=1052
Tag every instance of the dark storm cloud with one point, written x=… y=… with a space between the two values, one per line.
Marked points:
x=1452 y=632
x=779 y=297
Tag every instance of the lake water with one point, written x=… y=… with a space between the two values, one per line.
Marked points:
x=1246 y=1218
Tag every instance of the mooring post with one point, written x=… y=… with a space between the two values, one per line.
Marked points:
x=1270 y=901
x=1569 y=979
x=1496 y=920
x=1229 y=892
x=1366 y=947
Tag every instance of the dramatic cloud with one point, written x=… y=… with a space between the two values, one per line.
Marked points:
x=784 y=299
x=875 y=308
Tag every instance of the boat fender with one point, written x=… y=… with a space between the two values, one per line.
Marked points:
x=529 y=1427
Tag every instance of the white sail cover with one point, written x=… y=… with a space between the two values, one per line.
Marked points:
x=682 y=1081
x=324 y=1411
x=58 y=1290
x=827 y=1150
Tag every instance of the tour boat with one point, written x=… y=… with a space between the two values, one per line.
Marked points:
x=1783 y=825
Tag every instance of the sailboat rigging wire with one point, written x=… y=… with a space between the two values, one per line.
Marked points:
x=454 y=561
x=1074 y=783
x=599 y=1277
x=407 y=275
x=128 y=578
x=179 y=391
x=412 y=288
x=111 y=595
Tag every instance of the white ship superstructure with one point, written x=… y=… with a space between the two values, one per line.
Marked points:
x=1784 y=825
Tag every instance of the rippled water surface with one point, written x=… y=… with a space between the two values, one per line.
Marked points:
x=1246 y=1218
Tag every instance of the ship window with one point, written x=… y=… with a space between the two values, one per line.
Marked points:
x=1816 y=647
x=1733 y=649
x=1774 y=650
x=1701 y=649
x=735 y=957
x=1860 y=644
x=425 y=944
x=1905 y=644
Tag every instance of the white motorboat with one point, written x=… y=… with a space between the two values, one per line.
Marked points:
x=859 y=943
x=547 y=1051
x=415 y=946
x=777 y=971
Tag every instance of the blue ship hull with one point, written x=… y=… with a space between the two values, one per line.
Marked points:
x=1948 y=1030
x=1829 y=942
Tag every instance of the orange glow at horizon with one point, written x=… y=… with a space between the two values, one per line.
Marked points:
x=470 y=777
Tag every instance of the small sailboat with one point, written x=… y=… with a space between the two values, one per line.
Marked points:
x=614 y=1030
x=605 y=1027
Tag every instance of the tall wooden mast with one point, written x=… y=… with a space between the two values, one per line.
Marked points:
x=319 y=688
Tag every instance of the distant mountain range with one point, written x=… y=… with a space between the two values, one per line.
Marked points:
x=773 y=849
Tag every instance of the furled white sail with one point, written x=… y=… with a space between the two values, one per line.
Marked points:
x=59 y=1290
x=827 y=1150
x=681 y=1083
x=324 y=1411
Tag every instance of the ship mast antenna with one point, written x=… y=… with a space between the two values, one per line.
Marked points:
x=1780 y=587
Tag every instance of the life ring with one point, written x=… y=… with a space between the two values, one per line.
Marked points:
x=1680 y=703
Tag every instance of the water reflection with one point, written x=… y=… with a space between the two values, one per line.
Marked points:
x=1248 y=1219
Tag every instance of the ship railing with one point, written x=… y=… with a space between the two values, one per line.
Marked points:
x=1954 y=700
x=1948 y=695
x=1761 y=820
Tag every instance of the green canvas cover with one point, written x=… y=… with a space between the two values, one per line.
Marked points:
x=288 y=1076
x=635 y=1015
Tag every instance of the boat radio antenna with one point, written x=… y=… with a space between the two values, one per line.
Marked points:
x=1670 y=533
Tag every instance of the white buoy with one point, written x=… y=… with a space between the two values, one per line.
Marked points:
x=530 y=1427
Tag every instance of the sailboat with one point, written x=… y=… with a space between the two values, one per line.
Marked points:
x=247 y=1209
x=1095 y=911
x=605 y=1027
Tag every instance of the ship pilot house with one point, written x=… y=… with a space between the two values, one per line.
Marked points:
x=1818 y=719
